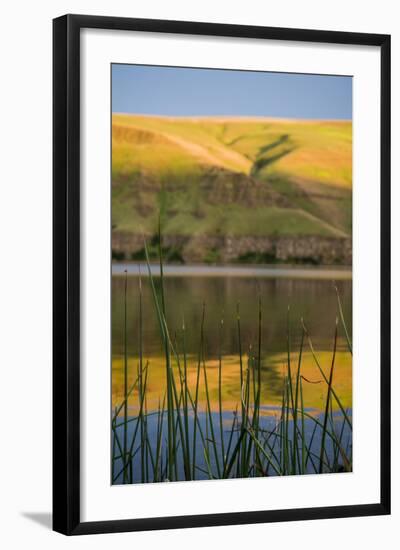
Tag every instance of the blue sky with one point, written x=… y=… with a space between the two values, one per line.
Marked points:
x=208 y=92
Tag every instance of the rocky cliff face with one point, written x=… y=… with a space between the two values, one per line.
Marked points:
x=245 y=249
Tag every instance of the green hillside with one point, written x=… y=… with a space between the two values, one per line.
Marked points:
x=231 y=176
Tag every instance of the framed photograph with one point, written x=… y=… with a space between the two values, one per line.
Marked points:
x=221 y=274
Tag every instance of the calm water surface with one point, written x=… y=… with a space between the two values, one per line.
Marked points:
x=309 y=295
x=313 y=299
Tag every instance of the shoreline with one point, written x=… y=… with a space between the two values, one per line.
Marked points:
x=195 y=270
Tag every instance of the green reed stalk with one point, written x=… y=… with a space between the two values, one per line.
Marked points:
x=303 y=442
x=241 y=455
x=114 y=444
x=140 y=376
x=185 y=400
x=178 y=401
x=170 y=407
x=235 y=454
x=207 y=461
x=230 y=440
x=290 y=390
x=263 y=451
x=296 y=456
x=325 y=377
x=326 y=414
x=130 y=469
x=281 y=427
x=271 y=448
x=332 y=435
x=128 y=465
x=220 y=392
x=196 y=398
x=251 y=452
x=342 y=319
x=256 y=383
x=125 y=439
x=246 y=441
x=141 y=421
x=170 y=404
x=211 y=423
x=122 y=405
x=140 y=415
x=149 y=457
x=207 y=446
x=337 y=447
x=115 y=426
x=179 y=425
x=257 y=402
x=287 y=435
x=160 y=421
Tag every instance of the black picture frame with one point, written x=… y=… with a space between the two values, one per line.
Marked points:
x=66 y=273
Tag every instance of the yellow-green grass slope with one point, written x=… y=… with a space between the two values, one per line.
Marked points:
x=237 y=176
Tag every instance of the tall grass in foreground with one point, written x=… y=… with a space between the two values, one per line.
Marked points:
x=179 y=442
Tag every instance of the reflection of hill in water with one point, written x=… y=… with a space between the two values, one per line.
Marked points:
x=274 y=367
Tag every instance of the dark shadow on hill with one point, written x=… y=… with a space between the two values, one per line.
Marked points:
x=270 y=153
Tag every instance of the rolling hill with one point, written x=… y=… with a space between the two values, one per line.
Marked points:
x=232 y=189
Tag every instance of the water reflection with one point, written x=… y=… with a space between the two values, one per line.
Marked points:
x=314 y=300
